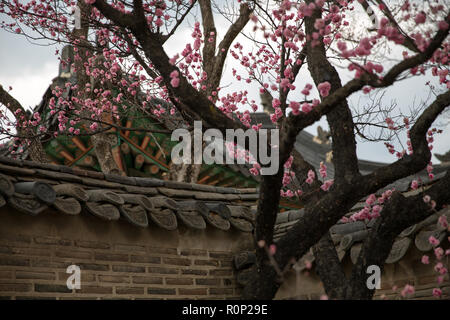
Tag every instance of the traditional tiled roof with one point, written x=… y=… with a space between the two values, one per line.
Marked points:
x=31 y=188
x=315 y=152
x=348 y=237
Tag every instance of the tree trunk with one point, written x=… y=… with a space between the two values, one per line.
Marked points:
x=103 y=149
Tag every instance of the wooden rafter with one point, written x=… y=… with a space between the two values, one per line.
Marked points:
x=147 y=154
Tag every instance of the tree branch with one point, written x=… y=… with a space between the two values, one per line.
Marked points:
x=398 y=214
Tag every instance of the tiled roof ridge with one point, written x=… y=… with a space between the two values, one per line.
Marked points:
x=31 y=188
x=69 y=174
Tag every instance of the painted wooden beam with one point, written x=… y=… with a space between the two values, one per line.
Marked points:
x=133 y=145
x=125 y=148
x=214 y=179
x=80 y=145
x=118 y=159
x=145 y=142
x=67 y=155
x=151 y=168
x=128 y=124
x=138 y=161
x=205 y=172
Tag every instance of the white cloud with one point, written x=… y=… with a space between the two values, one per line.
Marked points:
x=29 y=84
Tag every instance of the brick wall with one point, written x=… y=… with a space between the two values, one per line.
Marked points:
x=410 y=270
x=413 y=272
x=116 y=262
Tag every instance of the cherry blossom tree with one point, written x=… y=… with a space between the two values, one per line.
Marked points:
x=119 y=57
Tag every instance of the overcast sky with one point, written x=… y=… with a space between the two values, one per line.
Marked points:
x=30 y=68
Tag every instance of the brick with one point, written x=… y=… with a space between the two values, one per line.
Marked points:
x=177 y=261
x=35 y=275
x=192 y=292
x=226 y=263
x=207 y=282
x=14 y=261
x=16 y=287
x=147 y=280
x=163 y=250
x=193 y=252
x=15 y=239
x=130 y=290
x=161 y=291
x=52 y=241
x=179 y=281
x=129 y=248
x=427 y=280
x=220 y=291
x=423 y=293
x=386 y=285
x=213 y=263
x=111 y=256
x=127 y=268
x=33 y=252
x=195 y=272
x=162 y=270
x=402 y=283
x=93 y=266
x=6 y=274
x=95 y=290
x=44 y=263
x=227 y=282
x=220 y=272
x=73 y=254
x=92 y=244
x=145 y=259
x=59 y=288
x=116 y=279
x=6 y=250
x=220 y=255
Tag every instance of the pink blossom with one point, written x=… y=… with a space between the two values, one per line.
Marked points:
x=272 y=249
x=443 y=221
x=175 y=82
x=425 y=259
x=407 y=290
x=306 y=107
x=371 y=199
x=94 y=126
x=324 y=88
x=439 y=253
x=443 y=25
x=376 y=209
x=437 y=292
x=433 y=241
x=438 y=267
x=323 y=170
x=414 y=184
x=327 y=185
x=308 y=264
x=89 y=1
x=420 y=18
